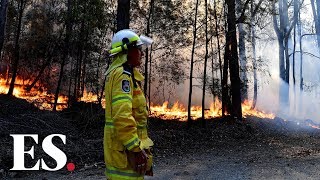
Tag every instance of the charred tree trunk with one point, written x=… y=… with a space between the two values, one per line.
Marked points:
x=192 y=63
x=224 y=82
x=123 y=14
x=205 y=65
x=3 y=19
x=232 y=55
x=83 y=75
x=219 y=50
x=213 y=57
x=43 y=67
x=79 y=64
x=225 y=88
x=15 y=62
x=65 y=52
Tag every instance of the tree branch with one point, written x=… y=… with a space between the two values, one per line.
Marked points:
x=274 y=17
x=256 y=9
x=307 y=53
x=242 y=16
x=294 y=22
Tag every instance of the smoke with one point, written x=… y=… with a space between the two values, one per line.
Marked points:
x=303 y=104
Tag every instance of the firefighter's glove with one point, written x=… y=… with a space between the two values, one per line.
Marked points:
x=138 y=161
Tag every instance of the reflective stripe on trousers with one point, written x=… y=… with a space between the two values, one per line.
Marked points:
x=121 y=174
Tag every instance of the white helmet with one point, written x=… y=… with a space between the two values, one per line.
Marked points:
x=126 y=37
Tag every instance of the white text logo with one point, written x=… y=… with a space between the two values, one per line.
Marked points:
x=47 y=146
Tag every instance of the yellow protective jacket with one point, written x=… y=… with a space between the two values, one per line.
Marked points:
x=126 y=119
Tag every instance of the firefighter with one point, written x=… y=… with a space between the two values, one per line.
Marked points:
x=126 y=142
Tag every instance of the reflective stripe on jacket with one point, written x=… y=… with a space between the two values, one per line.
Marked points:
x=126 y=118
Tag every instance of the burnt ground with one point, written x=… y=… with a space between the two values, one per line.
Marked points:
x=253 y=149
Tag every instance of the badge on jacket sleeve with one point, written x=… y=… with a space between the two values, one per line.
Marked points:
x=125 y=86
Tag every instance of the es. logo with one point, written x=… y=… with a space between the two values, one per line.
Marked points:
x=47 y=146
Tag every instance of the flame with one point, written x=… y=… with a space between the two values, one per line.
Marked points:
x=89 y=97
x=248 y=111
x=38 y=95
x=43 y=100
x=178 y=111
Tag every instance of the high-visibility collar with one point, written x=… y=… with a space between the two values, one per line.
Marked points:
x=119 y=61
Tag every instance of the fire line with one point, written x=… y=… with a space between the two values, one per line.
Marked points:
x=44 y=100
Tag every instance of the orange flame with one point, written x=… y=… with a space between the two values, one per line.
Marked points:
x=44 y=100
x=37 y=95
x=178 y=111
x=248 y=111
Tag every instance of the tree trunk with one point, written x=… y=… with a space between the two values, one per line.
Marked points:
x=224 y=86
x=145 y=87
x=301 y=53
x=287 y=65
x=318 y=22
x=205 y=65
x=149 y=93
x=232 y=49
x=283 y=95
x=15 y=63
x=213 y=57
x=316 y=12
x=191 y=65
x=83 y=75
x=254 y=56
x=65 y=52
x=287 y=36
x=43 y=67
x=219 y=50
x=242 y=55
x=296 y=13
x=3 y=19
x=78 y=75
x=123 y=14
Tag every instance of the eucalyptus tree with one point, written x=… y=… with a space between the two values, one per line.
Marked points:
x=3 y=19
x=68 y=25
x=20 y=9
x=192 y=61
x=283 y=27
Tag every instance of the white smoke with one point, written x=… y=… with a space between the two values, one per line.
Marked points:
x=302 y=104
